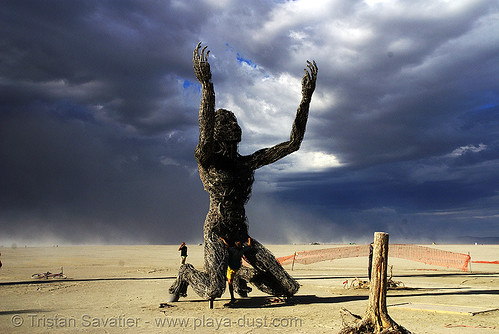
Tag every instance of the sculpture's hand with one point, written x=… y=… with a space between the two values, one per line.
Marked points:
x=201 y=65
x=309 y=79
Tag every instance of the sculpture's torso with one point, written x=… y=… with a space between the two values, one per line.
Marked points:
x=228 y=181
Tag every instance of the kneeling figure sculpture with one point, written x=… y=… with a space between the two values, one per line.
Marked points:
x=228 y=177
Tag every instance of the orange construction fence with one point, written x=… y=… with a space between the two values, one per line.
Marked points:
x=489 y=262
x=417 y=253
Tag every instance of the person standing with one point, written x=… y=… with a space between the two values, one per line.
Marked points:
x=236 y=254
x=183 y=252
x=370 y=263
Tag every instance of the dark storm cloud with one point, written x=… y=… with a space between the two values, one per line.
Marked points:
x=79 y=180
x=96 y=141
x=98 y=117
x=123 y=56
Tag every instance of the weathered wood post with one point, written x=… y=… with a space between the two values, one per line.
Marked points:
x=376 y=310
x=376 y=319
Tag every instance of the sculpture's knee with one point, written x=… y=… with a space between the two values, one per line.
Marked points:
x=185 y=268
x=268 y=275
x=215 y=292
x=210 y=283
x=206 y=285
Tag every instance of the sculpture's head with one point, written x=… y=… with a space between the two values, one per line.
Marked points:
x=226 y=127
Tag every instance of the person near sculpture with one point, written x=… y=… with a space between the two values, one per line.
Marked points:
x=236 y=254
x=370 y=261
x=183 y=252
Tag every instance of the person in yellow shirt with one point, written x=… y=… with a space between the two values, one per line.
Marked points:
x=236 y=254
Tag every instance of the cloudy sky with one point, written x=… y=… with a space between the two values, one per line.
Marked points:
x=98 y=118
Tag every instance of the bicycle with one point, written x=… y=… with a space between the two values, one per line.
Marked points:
x=48 y=275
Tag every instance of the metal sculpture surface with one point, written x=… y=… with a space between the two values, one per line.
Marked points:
x=228 y=177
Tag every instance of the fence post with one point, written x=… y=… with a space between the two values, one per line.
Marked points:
x=376 y=318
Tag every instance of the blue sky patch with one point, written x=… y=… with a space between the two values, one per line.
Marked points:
x=187 y=84
x=249 y=62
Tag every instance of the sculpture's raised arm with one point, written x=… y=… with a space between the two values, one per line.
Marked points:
x=269 y=155
x=204 y=148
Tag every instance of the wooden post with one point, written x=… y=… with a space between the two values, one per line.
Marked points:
x=376 y=309
x=376 y=319
x=293 y=264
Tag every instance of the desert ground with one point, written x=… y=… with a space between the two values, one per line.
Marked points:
x=111 y=289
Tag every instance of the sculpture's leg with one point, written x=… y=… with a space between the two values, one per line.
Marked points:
x=240 y=284
x=209 y=284
x=267 y=273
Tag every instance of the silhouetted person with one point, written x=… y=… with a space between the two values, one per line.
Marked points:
x=370 y=264
x=183 y=252
x=236 y=254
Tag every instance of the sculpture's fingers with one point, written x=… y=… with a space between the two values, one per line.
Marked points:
x=315 y=69
x=306 y=77
x=203 y=57
x=196 y=51
x=310 y=70
x=207 y=53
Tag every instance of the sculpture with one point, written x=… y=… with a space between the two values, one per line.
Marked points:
x=228 y=177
